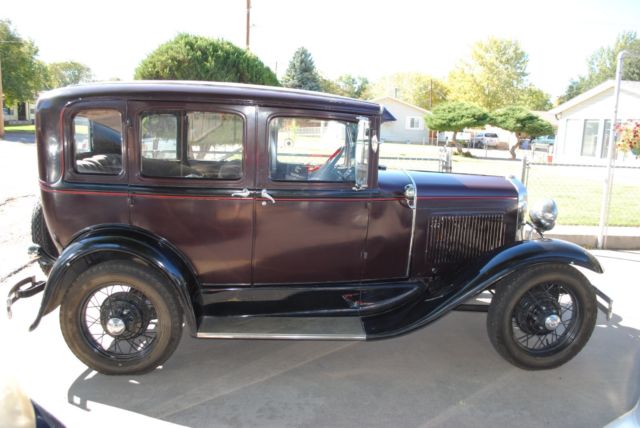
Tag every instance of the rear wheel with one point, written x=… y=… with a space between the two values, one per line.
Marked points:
x=542 y=317
x=121 y=317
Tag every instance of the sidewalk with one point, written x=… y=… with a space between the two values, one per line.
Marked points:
x=618 y=238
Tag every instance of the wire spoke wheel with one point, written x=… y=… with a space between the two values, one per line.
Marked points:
x=121 y=317
x=119 y=322
x=546 y=318
x=542 y=316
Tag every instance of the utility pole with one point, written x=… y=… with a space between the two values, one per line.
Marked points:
x=248 y=24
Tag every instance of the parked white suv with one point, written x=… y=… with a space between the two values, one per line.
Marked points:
x=484 y=139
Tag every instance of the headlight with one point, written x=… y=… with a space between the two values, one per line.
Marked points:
x=543 y=214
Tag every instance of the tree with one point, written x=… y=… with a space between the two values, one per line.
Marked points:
x=189 y=57
x=418 y=89
x=520 y=121
x=456 y=116
x=347 y=85
x=535 y=99
x=495 y=77
x=329 y=86
x=601 y=65
x=353 y=86
x=68 y=73
x=23 y=75
x=301 y=73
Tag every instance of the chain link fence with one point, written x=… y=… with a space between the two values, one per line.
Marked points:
x=578 y=191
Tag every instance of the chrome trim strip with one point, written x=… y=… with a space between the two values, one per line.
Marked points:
x=523 y=199
x=413 y=207
x=206 y=335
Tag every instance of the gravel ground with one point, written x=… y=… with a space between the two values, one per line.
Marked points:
x=444 y=375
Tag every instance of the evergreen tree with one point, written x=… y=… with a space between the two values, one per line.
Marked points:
x=189 y=57
x=301 y=73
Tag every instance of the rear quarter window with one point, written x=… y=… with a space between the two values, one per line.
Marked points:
x=97 y=142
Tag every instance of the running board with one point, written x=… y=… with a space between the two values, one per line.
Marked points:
x=295 y=328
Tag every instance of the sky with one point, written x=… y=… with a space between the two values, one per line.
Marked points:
x=368 y=38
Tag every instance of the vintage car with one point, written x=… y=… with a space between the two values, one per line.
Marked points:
x=247 y=212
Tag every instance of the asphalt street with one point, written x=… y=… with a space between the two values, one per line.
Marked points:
x=444 y=375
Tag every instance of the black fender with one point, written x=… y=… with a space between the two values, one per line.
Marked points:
x=477 y=277
x=513 y=257
x=122 y=241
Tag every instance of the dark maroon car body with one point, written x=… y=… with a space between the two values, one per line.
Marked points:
x=393 y=255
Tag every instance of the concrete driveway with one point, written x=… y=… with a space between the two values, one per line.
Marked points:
x=444 y=375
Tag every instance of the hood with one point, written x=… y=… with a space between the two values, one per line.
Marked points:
x=435 y=185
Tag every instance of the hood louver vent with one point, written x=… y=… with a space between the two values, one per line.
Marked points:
x=453 y=240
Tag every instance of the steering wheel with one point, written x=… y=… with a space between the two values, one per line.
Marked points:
x=328 y=172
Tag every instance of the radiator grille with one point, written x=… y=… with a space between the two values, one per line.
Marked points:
x=454 y=239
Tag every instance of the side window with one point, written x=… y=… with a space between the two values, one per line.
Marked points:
x=307 y=149
x=97 y=142
x=192 y=145
x=159 y=139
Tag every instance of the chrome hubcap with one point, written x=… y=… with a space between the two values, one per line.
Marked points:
x=552 y=322
x=115 y=326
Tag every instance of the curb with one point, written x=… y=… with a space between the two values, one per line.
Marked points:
x=615 y=240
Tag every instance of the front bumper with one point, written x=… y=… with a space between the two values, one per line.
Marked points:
x=605 y=303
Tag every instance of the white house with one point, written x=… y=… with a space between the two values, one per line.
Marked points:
x=19 y=112
x=584 y=122
x=409 y=126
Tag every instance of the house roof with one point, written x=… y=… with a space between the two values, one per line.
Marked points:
x=626 y=86
x=381 y=101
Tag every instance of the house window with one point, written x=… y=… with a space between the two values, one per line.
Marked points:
x=572 y=137
x=590 y=137
x=414 y=123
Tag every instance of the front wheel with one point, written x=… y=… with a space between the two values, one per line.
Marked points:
x=542 y=317
x=121 y=317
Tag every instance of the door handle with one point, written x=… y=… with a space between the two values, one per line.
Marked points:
x=265 y=195
x=244 y=193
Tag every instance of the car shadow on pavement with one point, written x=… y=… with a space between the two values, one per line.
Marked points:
x=440 y=376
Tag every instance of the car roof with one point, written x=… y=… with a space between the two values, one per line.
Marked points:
x=235 y=92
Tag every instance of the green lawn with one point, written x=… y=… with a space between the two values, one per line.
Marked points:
x=577 y=190
x=20 y=128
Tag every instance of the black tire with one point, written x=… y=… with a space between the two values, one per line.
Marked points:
x=521 y=316
x=140 y=296
x=40 y=235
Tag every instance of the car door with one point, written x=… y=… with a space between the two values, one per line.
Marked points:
x=190 y=165
x=310 y=221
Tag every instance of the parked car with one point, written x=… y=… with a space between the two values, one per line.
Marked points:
x=543 y=143
x=545 y=139
x=171 y=204
x=484 y=140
